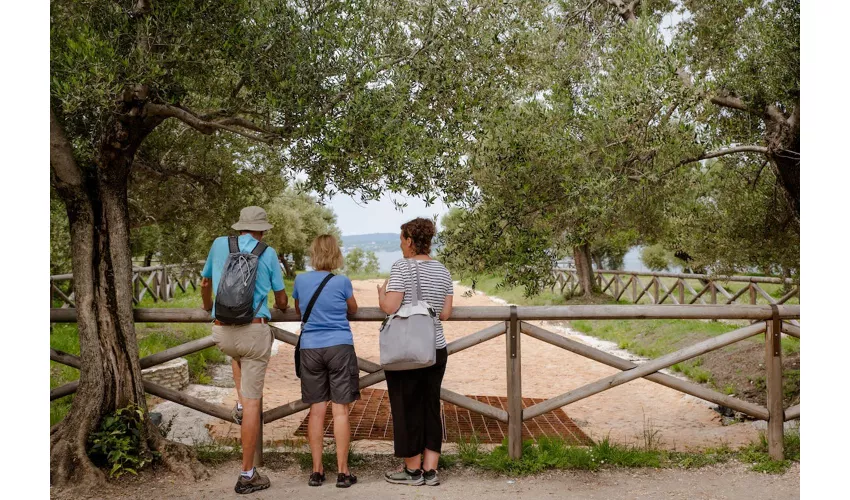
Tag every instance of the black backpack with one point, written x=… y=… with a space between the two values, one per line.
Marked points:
x=234 y=299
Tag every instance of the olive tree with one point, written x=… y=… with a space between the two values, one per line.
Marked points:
x=360 y=96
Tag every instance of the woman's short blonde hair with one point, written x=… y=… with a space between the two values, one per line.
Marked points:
x=325 y=254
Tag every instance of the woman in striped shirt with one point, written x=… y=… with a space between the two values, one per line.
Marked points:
x=415 y=394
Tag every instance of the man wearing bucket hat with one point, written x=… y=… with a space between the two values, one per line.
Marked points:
x=249 y=344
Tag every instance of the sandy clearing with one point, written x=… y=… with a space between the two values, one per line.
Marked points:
x=623 y=413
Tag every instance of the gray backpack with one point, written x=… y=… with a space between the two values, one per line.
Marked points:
x=234 y=299
x=409 y=336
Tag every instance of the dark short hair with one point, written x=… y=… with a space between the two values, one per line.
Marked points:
x=421 y=231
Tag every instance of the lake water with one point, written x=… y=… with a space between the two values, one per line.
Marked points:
x=631 y=262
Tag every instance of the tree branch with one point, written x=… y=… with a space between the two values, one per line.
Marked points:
x=207 y=125
x=730 y=102
x=709 y=155
x=65 y=168
x=178 y=172
x=142 y=7
x=728 y=151
x=775 y=113
x=626 y=10
x=794 y=119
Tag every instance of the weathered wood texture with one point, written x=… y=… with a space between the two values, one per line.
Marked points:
x=513 y=364
x=773 y=366
x=711 y=286
x=494 y=313
x=161 y=282
x=513 y=324
x=642 y=370
x=680 y=385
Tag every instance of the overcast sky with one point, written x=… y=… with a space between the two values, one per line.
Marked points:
x=354 y=217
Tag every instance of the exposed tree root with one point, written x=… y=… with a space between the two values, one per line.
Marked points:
x=178 y=458
x=70 y=466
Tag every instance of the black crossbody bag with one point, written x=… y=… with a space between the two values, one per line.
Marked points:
x=304 y=319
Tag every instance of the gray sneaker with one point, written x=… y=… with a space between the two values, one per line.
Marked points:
x=431 y=477
x=405 y=476
x=256 y=483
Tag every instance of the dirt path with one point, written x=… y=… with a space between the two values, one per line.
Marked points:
x=624 y=413
x=730 y=481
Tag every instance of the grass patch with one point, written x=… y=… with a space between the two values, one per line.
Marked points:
x=554 y=453
x=756 y=454
x=216 y=453
x=489 y=284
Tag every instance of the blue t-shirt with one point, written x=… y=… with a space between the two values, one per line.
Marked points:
x=327 y=325
x=269 y=276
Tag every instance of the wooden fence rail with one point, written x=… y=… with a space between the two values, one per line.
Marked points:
x=161 y=282
x=679 y=291
x=513 y=323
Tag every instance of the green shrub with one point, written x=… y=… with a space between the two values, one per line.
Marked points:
x=118 y=443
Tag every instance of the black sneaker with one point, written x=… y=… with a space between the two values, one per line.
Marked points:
x=345 y=480
x=316 y=479
x=431 y=477
x=256 y=483
x=405 y=476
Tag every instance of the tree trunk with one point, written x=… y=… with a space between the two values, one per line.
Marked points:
x=290 y=273
x=148 y=259
x=298 y=261
x=783 y=137
x=598 y=261
x=110 y=377
x=584 y=269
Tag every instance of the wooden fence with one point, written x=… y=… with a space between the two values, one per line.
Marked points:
x=678 y=288
x=161 y=282
x=512 y=322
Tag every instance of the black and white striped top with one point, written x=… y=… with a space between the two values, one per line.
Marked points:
x=435 y=281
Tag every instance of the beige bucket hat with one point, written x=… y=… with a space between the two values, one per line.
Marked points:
x=252 y=219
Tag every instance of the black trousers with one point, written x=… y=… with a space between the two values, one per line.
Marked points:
x=415 y=406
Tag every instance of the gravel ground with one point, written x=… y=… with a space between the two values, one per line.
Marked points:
x=727 y=481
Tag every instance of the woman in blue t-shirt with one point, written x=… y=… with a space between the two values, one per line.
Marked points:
x=328 y=363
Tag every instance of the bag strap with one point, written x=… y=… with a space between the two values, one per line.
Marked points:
x=259 y=248
x=417 y=289
x=314 y=297
x=233 y=243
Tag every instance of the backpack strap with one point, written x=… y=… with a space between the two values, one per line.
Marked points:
x=315 y=296
x=233 y=243
x=259 y=248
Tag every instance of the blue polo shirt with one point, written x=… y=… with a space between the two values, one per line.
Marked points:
x=327 y=325
x=269 y=276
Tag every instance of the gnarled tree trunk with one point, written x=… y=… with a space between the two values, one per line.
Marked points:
x=110 y=378
x=584 y=269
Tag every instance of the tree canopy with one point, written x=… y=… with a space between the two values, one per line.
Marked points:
x=604 y=144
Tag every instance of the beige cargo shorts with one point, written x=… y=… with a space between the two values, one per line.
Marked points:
x=251 y=346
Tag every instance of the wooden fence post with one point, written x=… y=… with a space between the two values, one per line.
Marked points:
x=514 y=387
x=655 y=289
x=634 y=289
x=258 y=451
x=163 y=284
x=713 y=292
x=752 y=294
x=773 y=366
x=681 y=284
